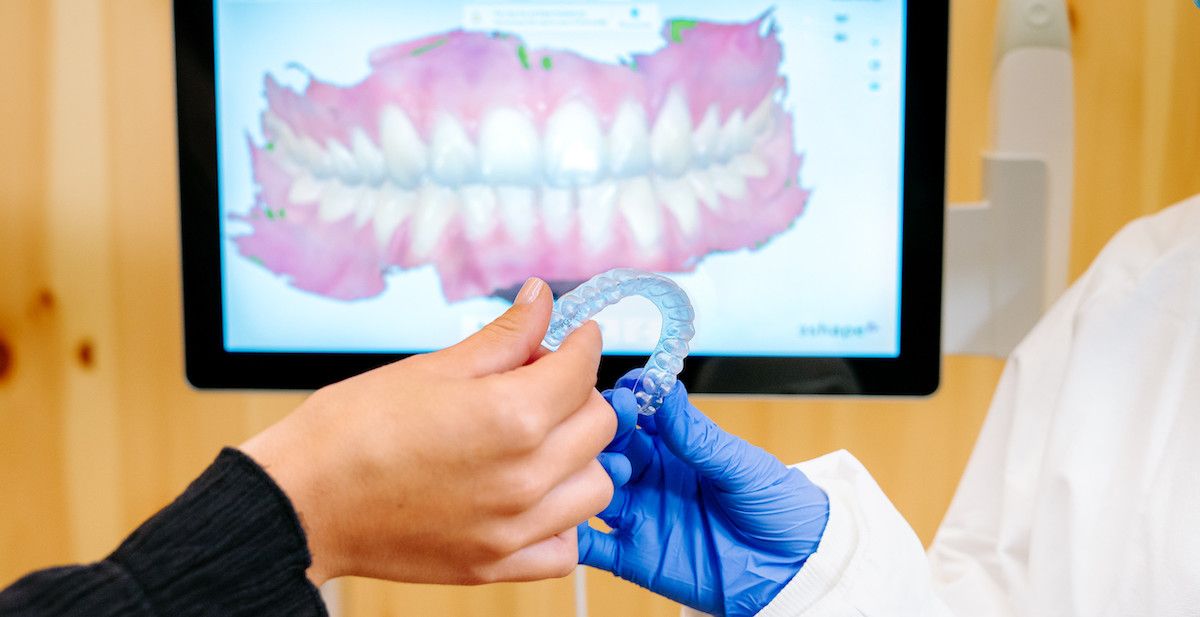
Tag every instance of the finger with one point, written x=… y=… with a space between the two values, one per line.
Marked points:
x=730 y=462
x=616 y=513
x=648 y=424
x=641 y=452
x=575 y=500
x=558 y=383
x=552 y=557
x=597 y=549
x=637 y=446
x=576 y=441
x=625 y=407
x=617 y=466
x=537 y=354
x=627 y=403
x=629 y=380
x=507 y=342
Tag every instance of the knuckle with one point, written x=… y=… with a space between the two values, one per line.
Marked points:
x=512 y=420
x=479 y=574
x=525 y=488
x=503 y=328
x=523 y=430
x=497 y=544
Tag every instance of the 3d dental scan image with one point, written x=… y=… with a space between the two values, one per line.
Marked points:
x=379 y=159
x=570 y=167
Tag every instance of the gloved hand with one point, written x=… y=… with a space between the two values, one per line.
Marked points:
x=700 y=516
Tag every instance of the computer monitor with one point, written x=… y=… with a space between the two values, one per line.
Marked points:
x=366 y=179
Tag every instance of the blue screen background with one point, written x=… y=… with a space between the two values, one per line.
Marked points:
x=829 y=286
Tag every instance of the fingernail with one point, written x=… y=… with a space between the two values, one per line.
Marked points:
x=530 y=291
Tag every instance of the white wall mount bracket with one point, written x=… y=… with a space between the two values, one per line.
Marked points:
x=995 y=260
x=1007 y=257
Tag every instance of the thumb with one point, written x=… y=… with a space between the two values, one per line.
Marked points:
x=510 y=340
x=597 y=549
x=731 y=463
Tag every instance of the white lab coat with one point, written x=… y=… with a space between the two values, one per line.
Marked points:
x=1082 y=497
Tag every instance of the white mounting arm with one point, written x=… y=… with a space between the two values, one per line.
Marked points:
x=1007 y=258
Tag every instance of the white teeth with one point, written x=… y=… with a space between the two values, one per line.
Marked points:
x=516 y=181
x=508 y=147
x=436 y=209
x=517 y=213
x=638 y=205
x=733 y=140
x=703 y=189
x=749 y=166
x=337 y=202
x=678 y=197
x=705 y=138
x=403 y=151
x=394 y=207
x=273 y=126
x=629 y=141
x=671 y=138
x=280 y=134
x=574 y=146
x=727 y=182
x=762 y=119
x=479 y=210
x=343 y=162
x=368 y=158
x=313 y=157
x=557 y=213
x=368 y=202
x=305 y=189
x=597 y=205
x=453 y=160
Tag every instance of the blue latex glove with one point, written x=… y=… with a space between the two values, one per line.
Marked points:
x=700 y=516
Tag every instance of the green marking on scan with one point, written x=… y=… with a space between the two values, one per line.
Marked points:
x=281 y=213
x=270 y=146
x=547 y=63
x=258 y=261
x=523 y=56
x=428 y=47
x=678 y=26
x=270 y=214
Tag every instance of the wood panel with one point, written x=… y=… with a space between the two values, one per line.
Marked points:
x=1139 y=144
x=33 y=512
x=972 y=56
x=1138 y=109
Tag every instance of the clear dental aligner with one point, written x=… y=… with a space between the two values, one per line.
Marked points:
x=489 y=161
x=575 y=307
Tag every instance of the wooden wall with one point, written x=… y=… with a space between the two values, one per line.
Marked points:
x=98 y=428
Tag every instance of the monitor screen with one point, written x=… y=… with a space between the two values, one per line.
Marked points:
x=389 y=173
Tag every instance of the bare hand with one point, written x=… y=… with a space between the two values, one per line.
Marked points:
x=469 y=465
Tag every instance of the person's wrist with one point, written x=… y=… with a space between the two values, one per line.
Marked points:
x=769 y=589
x=276 y=450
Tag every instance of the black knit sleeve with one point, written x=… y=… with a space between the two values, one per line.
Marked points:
x=231 y=544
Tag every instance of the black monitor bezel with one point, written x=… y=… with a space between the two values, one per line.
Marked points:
x=916 y=372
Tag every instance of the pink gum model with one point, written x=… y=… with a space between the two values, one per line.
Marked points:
x=493 y=162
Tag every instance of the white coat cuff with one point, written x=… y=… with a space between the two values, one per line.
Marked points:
x=825 y=568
